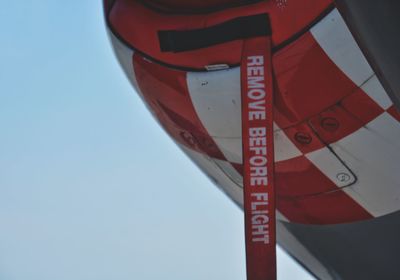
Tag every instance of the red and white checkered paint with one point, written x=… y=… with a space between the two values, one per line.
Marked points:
x=336 y=130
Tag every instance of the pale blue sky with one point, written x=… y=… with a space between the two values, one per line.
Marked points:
x=90 y=187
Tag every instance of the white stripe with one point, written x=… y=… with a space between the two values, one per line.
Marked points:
x=231 y=148
x=388 y=128
x=216 y=98
x=375 y=90
x=375 y=159
x=281 y=217
x=332 y=167
x=284 y=148
x=229 y=171
x=336 y=40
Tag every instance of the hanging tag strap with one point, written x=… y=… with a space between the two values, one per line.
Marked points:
x=258 y=158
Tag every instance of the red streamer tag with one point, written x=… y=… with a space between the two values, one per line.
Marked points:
x=258 y=158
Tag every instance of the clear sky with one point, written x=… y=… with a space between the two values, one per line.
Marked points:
x=91 y=188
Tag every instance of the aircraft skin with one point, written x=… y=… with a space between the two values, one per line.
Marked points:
x=375 y=28
x=336 y=130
